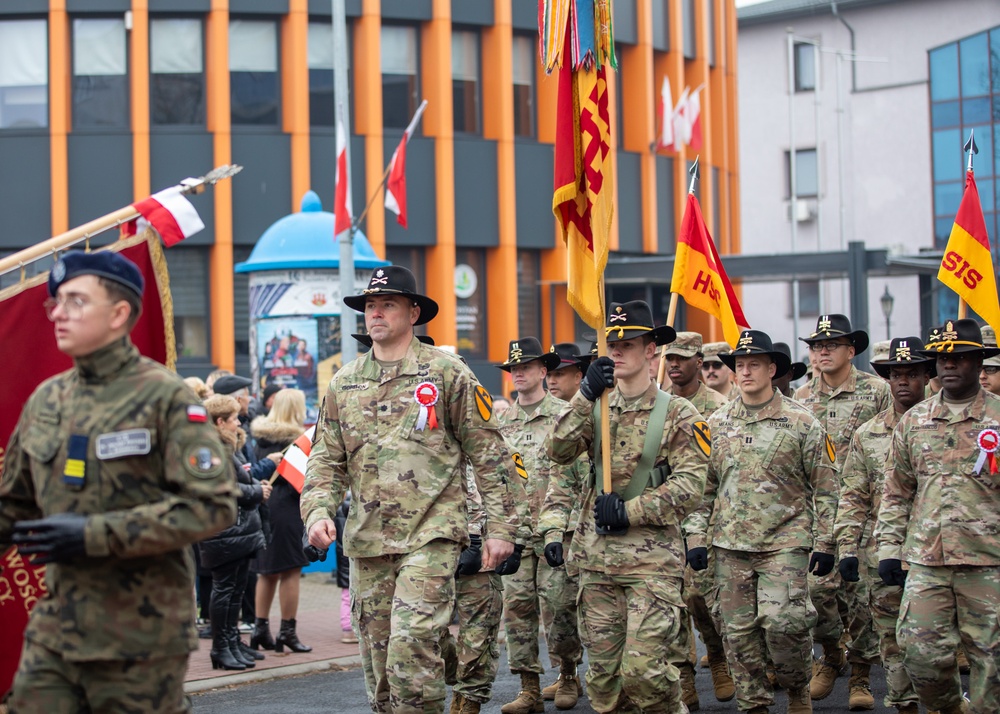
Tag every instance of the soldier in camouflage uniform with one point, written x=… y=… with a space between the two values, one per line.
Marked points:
x=908 y=372
x=112 y=473
x=796 y=372
x=770 y=501
x=715 y=373
x=940 y=513
x=989 y=377
x=525 y=425
x=684 y=361
x=630 y=553
x=842 y=398
x=398 y=423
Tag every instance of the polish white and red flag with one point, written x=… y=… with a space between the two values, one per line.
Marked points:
x=693 y=119
x=665 y=111
x=395 y=187
x=292 y=467
x=169 y=213
x=342 y=205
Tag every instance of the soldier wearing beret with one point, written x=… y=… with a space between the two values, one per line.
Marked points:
x=842 y=398
x=397 y=425
x=111 y=473
x=940 y=513
x=630 y=552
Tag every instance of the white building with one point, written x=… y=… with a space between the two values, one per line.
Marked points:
x=873 y=163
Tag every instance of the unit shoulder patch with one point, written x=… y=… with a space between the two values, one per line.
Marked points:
x=519 y=465
x=484 y=402
x=831 y=451
x=702 y=437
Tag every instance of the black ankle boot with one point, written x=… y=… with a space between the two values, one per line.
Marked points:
x=251 y=653
x=261 y=638
x=287 y=636
x=222 y=656
x=238 y=654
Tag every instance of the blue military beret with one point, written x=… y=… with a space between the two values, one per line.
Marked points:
x=104 y=264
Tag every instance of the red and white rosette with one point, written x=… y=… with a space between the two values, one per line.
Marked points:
x=426 y=395
x=989 y=441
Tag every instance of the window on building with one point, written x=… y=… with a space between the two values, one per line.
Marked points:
x=177 y=71
x=100 y=73
x=710 y=14
x=470 y=299
x=524 y=85
x=806 y=174
x=24 y=74
x=690 y=36
x=320 y=52
x=465 y=80
x=529 y=293
x=253 y=72
x=189 y=287
x=808 y=298
x=805 y=66
x=399 y=75
x=241 y=310
x=411 y=258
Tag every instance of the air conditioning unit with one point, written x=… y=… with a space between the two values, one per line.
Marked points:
x=802 y=210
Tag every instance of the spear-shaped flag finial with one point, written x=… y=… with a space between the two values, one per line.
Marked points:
x=971 y=147
x=694 y=174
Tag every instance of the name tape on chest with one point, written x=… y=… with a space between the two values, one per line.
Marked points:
x=132 y=442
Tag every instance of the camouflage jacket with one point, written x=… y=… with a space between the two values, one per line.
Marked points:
x=653 y=543
x=527 y=436
x=861 y=479
x=155 y=480
x=842 y=410
x=771 y=481
x=936 y=510
x=706 y=400
x=561 y=508
x=408 y=484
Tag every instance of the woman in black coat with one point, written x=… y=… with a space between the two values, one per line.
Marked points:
x=228 y=553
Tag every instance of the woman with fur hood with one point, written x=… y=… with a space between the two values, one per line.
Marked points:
x=228 y=554
x=279 y=567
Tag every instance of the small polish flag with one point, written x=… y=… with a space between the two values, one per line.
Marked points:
x=342 y=210
x=694 y=120
x=169 y=213
x=395 y=187
x=682 y=127
x=293 y=466
x=197 y=414
x=665 y=110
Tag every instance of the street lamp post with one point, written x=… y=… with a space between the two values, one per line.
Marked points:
x=887 y=301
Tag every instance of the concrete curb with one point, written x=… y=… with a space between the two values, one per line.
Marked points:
x=204 y=685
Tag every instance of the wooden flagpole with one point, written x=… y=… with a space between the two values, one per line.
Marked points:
x=602 y=351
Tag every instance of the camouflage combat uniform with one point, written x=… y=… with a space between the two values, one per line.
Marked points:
x=408 y=522
x=115 y=628
x=523 y=603
x=862 y=477
x=630 y=585
x=943 y=518
x=770 y=500
x=841 y=411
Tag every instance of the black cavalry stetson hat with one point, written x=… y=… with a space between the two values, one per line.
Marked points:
x=904 y=352
x=755 y=342
x=569 y=355
x=628 y=320
x=394 y=280
x=528 y=349
x=590 y=356
x=830 y=327
x=958 y=336
x=799 y=369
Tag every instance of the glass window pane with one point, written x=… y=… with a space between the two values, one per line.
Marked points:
x=189 y=281
x=399 y=50
x=944 y=114
x=805 y=67
x=975 y=66
x=99 y=47
x=976 y=111
x=253 y=72
x=947 y=152
x=175 y=46
x=995 y=60
x=524 y=60
x=320 y=50
x=529 y=294
x=177 y=83
x=942 y=229
x=985 y=187
x=947 y=196
x=24 y=74
x=710 y=13
x=983 y=161
x=465 y=55
x=806 y=178
x=944 y=73
x=690 y=38
x=470 y=276
x=253 y=46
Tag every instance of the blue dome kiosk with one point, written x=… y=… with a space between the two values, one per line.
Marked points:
x=295 y=303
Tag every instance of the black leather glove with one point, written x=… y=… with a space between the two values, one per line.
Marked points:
x=470 y=561
x=311 y=552
x=512 y=564
x=600 y=376
x=554 y=555
x=609 y=511
x=891 y=571
x=849 y=569
x=821 y=564
x=56 y=539
x=697 y=558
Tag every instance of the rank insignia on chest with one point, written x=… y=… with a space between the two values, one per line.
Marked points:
x=74 y=473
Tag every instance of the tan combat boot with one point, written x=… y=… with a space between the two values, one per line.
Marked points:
x=800 y=701
x=569 y=688
x=830 y=667
x=861 y=689
x=456 y=703
x=549 y=692
x=470 y=707
x=529 y=699
x=689 y=693
x=721 y=679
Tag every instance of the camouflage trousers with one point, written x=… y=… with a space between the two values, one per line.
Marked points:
x=766 y=612
x=942 y=607
x=701 y=596
x=885 y=601
x=523 y=607
x=475 y=657
x=558 y=591
x=841 y=605
x=401 y=604
x=46 y=683
x=630 y=626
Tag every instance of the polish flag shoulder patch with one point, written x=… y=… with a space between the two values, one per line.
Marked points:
x=197 y=414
